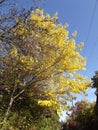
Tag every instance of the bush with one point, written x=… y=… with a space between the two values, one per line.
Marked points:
x=83 y=117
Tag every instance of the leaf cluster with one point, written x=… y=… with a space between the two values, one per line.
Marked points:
x=83 y=117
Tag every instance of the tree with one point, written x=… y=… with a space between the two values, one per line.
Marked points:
x=41 y=62
x=95 y=85
x=82 y=117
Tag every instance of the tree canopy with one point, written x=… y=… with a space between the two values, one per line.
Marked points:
x=82 y=117
x=41 y=61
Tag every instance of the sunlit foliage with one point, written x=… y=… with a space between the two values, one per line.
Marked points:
x=42 y=61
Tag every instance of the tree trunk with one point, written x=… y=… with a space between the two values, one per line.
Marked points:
x=97 y=100
x=8 y=110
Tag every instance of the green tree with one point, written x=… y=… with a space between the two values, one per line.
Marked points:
x=82 y=117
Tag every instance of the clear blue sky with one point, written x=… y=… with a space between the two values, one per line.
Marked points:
x=78 y=14
x=82 y=16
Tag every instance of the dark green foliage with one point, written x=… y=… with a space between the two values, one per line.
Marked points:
x=95 y=80
x=83 y=117
x=26 y=114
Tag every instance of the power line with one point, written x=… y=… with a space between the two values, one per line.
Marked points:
x=91 y=54
x=89 y=31
x=91 y=22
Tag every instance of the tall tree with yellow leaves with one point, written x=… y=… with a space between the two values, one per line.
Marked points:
x=42 y=62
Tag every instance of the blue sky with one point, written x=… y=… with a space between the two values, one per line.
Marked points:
x=82 y=16
x=78 y=14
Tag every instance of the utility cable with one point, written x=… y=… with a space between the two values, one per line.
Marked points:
x=91 y=22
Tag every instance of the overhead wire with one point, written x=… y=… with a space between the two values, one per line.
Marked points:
x=91 y=22
x=89 y=31
x=90 y=27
